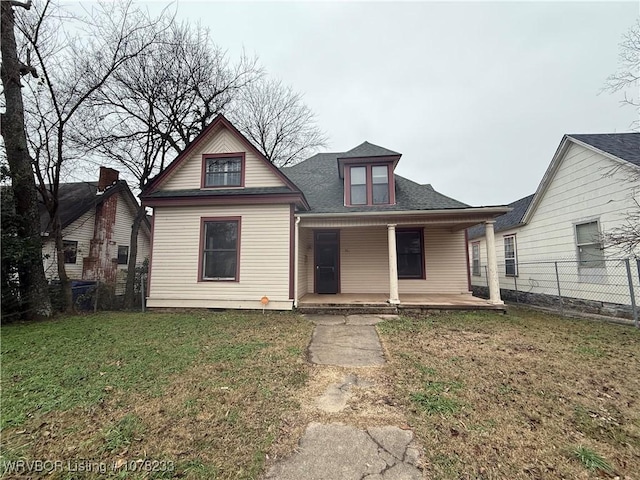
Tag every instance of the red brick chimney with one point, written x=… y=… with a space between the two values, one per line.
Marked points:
x=108 y=177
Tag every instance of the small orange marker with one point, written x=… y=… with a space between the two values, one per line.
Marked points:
x=264 y=301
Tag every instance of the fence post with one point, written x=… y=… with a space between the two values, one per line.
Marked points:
x=634 y=309
x=515 y=282
x=559 y=294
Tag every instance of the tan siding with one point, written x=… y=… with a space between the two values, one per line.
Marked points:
x=188 y=174
x=446 y=264
x=264 y=255
x=364 y=262
x=80 y=231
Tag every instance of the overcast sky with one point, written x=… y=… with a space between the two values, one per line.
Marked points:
x=476 y=96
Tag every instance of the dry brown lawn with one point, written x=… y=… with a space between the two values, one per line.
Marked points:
x=224 y=395
x=525 y=395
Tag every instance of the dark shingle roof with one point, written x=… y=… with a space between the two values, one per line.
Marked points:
x=506 y=221
x=367 y=149
x=318 y=179
x=75 y=199
x=625 y=146
x=221 y=192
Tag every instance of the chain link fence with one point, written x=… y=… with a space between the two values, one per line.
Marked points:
x=611 y=287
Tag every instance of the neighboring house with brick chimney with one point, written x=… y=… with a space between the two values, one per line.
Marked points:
x=96 y=219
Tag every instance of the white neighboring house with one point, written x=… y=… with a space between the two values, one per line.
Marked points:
x=592 y=183
x=96 y=220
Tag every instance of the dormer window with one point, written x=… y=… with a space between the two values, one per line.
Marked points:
x=358 y=185
x=380 y=181
x=223 y=170
x=368 y=185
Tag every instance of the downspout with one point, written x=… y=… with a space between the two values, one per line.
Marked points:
x=296 y=262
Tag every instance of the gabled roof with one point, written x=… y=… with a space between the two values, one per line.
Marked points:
x=324 y=190
x=507 y=221
x=75 y=199
x=619 y=147
x=367 y=149
x=220 y=120
x=625 y=146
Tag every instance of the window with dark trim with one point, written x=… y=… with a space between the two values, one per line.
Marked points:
x=410 y=253
x=223 y=172
x=220 y=250
x=123 y=254
x=70 y=248
x=380 y=184
x=510 y=256
x=368 y=185
x=475 y=259
x=358 y=179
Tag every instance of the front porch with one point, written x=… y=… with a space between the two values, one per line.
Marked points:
x=378 y=303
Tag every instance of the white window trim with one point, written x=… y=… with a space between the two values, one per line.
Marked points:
x=474 y=272
x=515 y=255
x=578 y=245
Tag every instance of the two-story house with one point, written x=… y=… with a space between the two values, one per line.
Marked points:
x=230 y=230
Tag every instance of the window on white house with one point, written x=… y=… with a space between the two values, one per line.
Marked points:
x=220 y=253
x=475 y=258
x=70 y=248
x=410 y=253
x=223 y=172
x=589 y=244
x=123 y=255
x=510 y=256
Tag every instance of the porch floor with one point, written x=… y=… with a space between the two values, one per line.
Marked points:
x=373 y=301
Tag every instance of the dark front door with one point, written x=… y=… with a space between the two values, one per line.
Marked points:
x=327 y=260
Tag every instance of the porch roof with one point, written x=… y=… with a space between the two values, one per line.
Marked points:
x=456 y=218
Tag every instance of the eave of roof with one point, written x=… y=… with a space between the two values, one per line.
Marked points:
x=508 y=221
x=273 y=195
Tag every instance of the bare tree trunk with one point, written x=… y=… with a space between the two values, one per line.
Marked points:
x=129 y=292
x=33 y=284
x=65 y=283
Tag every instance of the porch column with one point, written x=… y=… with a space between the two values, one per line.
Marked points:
x=296 y=261
x=393 y=265
x=492 y=265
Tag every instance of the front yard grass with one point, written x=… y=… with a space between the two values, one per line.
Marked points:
x=525 y=395
x=205 y=392
x=521 y=396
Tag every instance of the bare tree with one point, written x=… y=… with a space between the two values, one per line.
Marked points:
x=34 y=292
x=274 y=117
x=625 y=239
x=157 y=103
x=627 y=76
x=75 y=56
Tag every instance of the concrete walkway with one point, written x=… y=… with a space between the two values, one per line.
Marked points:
x=341 y=452
x=336 y=451
x=350 y=341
